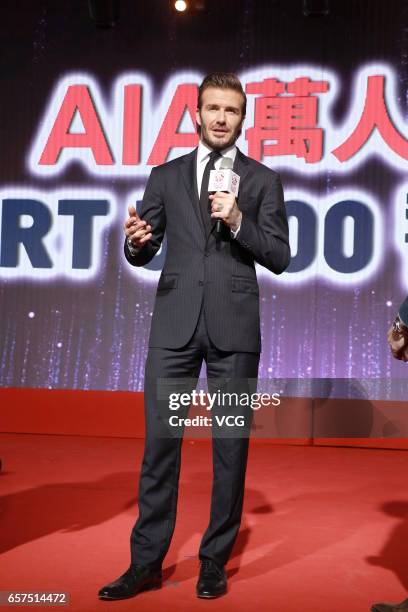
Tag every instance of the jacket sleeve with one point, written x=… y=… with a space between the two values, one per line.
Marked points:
x=152 y=211
x=403 y=311
x=267 y=239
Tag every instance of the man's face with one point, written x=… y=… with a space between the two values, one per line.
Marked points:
x=220 y=117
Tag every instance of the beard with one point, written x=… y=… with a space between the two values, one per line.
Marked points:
x=218 y=144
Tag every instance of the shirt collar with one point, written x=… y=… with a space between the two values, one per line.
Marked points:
x=203 y=152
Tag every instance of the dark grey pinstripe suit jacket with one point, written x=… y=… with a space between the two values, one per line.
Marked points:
x=199 y=267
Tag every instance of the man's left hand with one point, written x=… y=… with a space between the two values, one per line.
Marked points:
x=224 y=206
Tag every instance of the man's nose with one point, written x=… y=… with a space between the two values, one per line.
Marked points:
x=221 y=116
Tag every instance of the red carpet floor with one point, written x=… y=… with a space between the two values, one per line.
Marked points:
x=324 y=529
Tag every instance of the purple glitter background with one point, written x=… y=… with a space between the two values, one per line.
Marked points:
x=94 y=334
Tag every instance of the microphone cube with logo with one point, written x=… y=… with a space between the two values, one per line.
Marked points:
x=224 y=180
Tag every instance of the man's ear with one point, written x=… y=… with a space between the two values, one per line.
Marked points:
x=198 y=118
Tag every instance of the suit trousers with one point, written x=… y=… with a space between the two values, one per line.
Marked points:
x=158 y=485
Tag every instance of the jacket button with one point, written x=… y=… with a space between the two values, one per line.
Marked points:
x=201 y=283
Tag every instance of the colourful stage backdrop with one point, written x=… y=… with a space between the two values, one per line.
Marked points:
x=87 y=113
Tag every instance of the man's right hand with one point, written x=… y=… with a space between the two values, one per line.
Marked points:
x=137 y=230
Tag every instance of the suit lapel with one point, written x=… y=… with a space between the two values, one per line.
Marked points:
x=241 y=167
x=189 y=173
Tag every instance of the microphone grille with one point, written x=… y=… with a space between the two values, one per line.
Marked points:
x=226 y=163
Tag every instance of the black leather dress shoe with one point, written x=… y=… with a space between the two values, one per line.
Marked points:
x=212 y=581
x=389 y=607
x=137 y=578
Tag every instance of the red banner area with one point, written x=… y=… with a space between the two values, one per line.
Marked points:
x=375 y=116
x=304 y=421
x=290 y=121
x=288 y=118
x=78 y=99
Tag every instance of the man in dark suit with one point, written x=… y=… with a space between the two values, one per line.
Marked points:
x=398 y=341
x=207 y=307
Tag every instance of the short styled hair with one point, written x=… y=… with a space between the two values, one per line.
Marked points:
x=222 y=80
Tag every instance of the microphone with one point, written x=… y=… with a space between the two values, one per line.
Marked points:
x=224 y=179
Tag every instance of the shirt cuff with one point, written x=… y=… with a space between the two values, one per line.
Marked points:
x=234 y=234
x=403 y=312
